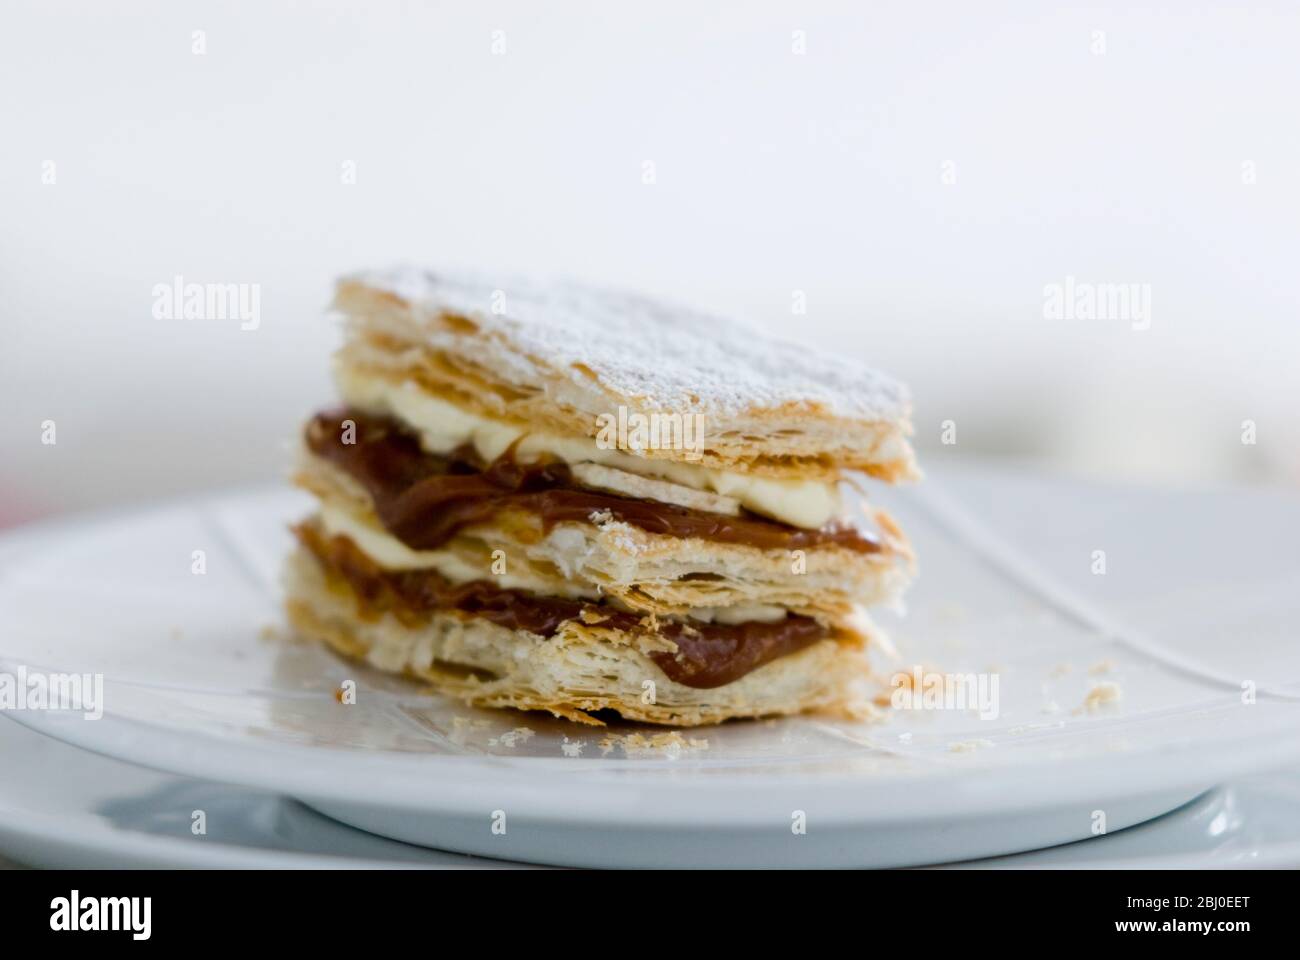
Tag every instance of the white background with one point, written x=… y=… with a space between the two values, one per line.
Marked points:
x=774 y=171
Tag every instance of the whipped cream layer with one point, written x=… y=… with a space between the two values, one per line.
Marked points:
x=443 y=427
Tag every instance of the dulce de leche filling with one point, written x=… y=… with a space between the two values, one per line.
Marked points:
x=708 y=654
x=423 y=498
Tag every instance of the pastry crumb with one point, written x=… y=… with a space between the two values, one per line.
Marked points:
x=1103 y=694
x=671 y=744
x=512 y=739
x=464 y=729
x=460 y=723
x=969 y=746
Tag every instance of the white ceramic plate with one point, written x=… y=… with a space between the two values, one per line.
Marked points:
x=197 y=682
x=74 y=810
x=63 y=808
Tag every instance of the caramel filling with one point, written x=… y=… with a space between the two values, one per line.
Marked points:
x=424 y=498
x=708 y=654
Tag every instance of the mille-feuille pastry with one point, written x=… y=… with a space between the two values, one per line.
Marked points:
x=569 y=499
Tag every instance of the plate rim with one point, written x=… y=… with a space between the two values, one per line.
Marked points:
x=463 y=781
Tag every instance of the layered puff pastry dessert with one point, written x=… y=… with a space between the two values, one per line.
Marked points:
x=580 y=501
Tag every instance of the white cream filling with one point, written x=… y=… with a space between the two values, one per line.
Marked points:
x=740 y=613
x=391 y=554
x=444 y=426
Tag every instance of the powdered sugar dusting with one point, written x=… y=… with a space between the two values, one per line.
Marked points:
x=677 y=359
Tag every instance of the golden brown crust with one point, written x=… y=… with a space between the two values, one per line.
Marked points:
x=583 y=668
x=462 y=359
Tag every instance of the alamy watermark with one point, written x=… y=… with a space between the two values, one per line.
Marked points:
x=74 y=913
x=1077 y=300
x=36 y=690
x=179 y=300
x=924 y=690
x=638 y=431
